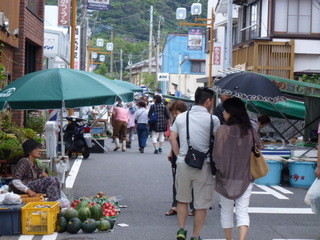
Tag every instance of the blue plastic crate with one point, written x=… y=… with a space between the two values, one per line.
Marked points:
x=10 y=219
x=97 y=130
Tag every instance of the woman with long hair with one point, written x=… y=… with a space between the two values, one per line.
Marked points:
x=233 y=143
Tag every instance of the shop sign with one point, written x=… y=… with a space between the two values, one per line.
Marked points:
x=64 y=12
x=51 y=44
x=163 y=77
x=195 y=39
x=98 y=5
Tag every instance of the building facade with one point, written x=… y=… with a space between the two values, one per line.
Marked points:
x=276 y=37
x=22 y=24
x=184 y=65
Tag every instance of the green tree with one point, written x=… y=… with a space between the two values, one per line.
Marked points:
x=150 y=80
x=3 y=75
x=314 y=78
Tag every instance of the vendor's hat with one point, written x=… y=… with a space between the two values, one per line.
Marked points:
x=29 y=145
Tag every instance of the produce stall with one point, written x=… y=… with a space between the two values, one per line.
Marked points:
x=35 y=216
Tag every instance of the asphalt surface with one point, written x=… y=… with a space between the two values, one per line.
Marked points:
x=144 y=183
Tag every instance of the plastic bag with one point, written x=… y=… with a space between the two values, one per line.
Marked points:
x=2 y=196
x=64 y=201
x=313 y=196
x=12 y=198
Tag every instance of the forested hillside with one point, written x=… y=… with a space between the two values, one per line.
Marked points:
x=130 y=21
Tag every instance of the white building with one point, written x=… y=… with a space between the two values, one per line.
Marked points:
x=56 y=40
x=275 y=37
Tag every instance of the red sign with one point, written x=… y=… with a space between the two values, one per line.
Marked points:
x=64 y=12
x=217 y=56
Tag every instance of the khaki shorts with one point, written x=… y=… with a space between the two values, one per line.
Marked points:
x=201 y=181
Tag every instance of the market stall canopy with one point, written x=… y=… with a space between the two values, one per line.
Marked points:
x=295 y=87
x=128 y=85
x=249 y=86
x=291 y=109
x=60 y=87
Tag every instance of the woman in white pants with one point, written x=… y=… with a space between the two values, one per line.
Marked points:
x=233 y=143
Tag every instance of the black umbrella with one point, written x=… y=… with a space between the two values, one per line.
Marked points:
x=249 y=86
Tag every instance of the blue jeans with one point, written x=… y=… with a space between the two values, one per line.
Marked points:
x=143 y=132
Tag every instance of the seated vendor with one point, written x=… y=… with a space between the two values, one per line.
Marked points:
x=30 y=179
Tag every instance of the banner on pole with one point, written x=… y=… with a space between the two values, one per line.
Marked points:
x=64 y=12
x=195 y=39
x=99 y=5
x=217 y=56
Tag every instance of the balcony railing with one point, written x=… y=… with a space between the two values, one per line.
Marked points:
x=267 y=57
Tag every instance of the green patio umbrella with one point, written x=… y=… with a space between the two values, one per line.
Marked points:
x=128 y=85
x=60 y=87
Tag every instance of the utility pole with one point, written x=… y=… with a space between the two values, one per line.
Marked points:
x=150 y=37
x=130 y=65
x=228 y=58
x=73 y=32
x=83 y=41
x=121 y=64
x=112 y=56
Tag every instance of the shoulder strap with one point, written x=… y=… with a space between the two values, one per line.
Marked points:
x=188 y=136
x=140 y=115
x=211 y=141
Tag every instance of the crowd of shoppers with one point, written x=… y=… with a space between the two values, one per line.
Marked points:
x=234 y=134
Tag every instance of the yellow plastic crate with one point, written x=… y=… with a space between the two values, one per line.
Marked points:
x=39 y=218
x=37 y=198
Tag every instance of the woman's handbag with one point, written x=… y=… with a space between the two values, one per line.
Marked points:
x=258 y=165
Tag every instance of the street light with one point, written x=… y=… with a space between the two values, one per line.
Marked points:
x=196 y=9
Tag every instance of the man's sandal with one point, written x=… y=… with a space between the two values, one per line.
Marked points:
x=171 y=212
x=192 y=212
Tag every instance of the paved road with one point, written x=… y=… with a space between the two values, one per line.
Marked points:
x=144 y=182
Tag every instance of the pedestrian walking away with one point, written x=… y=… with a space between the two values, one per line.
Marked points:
x=232 y=149
x=120 y=119
x=160 y=115
x=141 y=118
x=201 y=181
x=131 y=124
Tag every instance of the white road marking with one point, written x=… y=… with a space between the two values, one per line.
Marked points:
x=73 y=173
x=26 y=237
x=281 y=189
x=280 y=210
x=271 y=192
x=50 y=237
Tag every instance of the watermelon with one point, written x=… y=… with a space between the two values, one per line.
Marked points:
x=74 y=225
x=62 y=213
x=61 y=224
x=70 y=213
x=103 y=225
x=89 y=226
x=82 y=204
x=96 y=212
x=84 y=213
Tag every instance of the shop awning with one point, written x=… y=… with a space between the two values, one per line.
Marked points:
x=291 y=109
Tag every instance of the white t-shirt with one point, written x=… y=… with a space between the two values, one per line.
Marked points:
x=199 y=128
